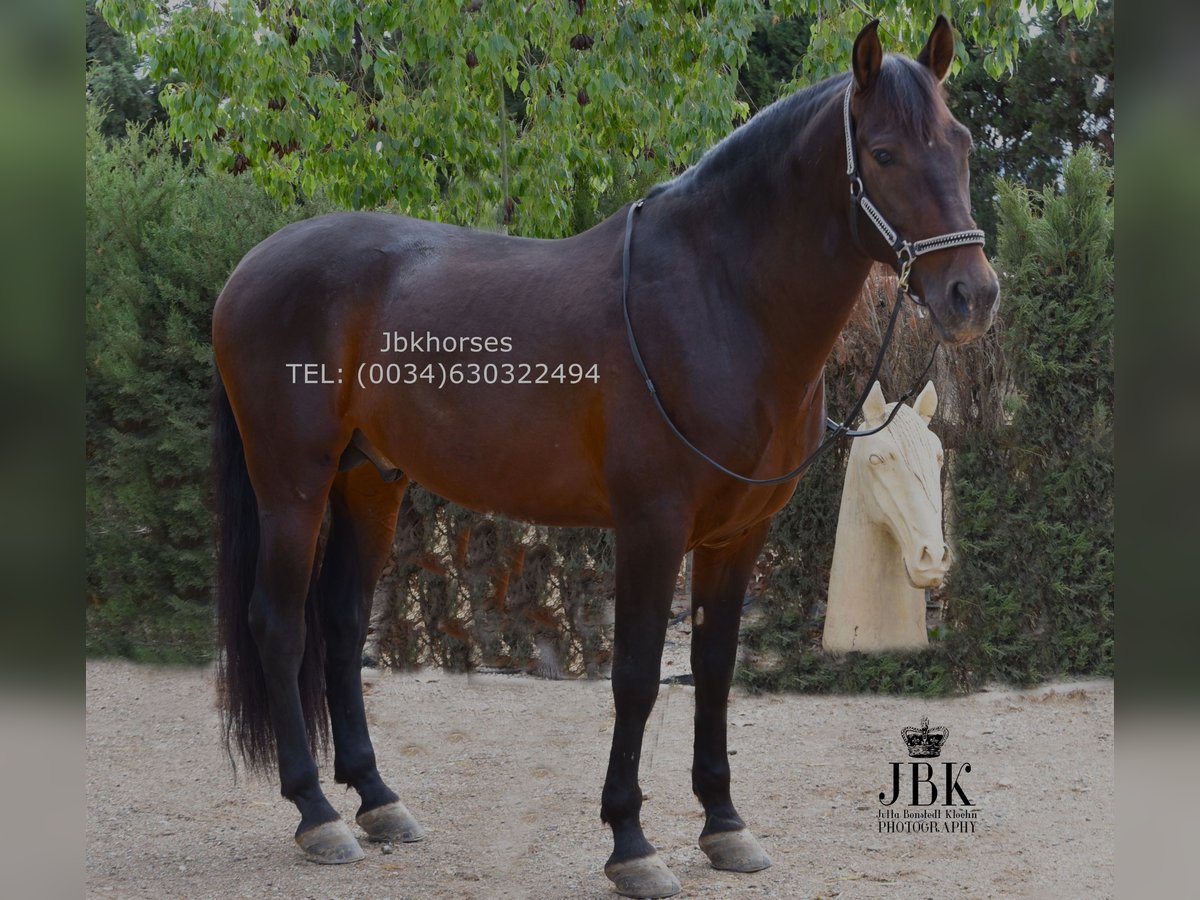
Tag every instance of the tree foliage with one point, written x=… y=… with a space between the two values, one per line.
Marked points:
x=113 y=82
x=1025 y=126
x=160 y=241
x=1034 y=500
x=487 y=111
x=774 y=55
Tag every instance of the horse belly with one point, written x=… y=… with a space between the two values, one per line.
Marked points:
x=532 y=457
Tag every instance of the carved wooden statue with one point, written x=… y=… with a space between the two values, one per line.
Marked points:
x=889 y=544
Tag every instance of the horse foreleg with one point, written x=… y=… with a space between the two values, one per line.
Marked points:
x=719 y=579
x=647 y=563
x=363 y=521
x=288 y=537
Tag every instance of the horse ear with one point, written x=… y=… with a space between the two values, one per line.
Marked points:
x=868 y=55
x=926 y=402
x=939 y=49
x=875 y=407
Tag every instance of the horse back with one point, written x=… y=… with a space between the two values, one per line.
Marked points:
x=308 y=331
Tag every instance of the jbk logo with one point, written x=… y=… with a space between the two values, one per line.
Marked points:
x=925 y=790
x=927 y=783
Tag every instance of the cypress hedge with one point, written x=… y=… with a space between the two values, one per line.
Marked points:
x=161 y=238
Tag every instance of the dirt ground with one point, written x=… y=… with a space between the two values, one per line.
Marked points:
x=505 y=774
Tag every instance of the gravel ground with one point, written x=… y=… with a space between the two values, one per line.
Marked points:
x=505 y=774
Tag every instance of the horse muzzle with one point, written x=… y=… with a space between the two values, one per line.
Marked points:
x=927 y=568
x=963 y=305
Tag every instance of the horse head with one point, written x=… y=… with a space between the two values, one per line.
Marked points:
x=900 y=472
x=911 y=157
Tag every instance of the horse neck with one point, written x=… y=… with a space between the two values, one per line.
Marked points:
x=867 y=561
x=773 y=231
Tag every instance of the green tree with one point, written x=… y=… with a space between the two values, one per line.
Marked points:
x=486 y=111
x=1034 y=585
x=113 y=83
x=1027 y=124
x=773 y=57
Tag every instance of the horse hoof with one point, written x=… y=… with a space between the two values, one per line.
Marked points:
x=392 y=822
x=331 y=844
x=646 y=877
x=734 y=851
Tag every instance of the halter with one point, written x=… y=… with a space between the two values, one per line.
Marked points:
x=906 y=254
x=906 y=251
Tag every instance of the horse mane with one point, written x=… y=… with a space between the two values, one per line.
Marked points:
x=908 y=96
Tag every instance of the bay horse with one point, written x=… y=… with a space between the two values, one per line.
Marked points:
x=744 y=270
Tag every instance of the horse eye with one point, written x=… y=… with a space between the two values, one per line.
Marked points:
x=882 y=157
x=876 y=459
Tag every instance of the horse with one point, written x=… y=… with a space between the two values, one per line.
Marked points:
x=359 y=352
x=889 y=545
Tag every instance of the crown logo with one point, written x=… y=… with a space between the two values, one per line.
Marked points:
x=925 y=742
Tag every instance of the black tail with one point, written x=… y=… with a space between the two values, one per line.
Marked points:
x=242 y=688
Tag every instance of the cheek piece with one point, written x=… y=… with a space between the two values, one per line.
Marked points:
x=906 y=251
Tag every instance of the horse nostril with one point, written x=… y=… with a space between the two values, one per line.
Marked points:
x=945 y=554
x=960 y=294
x=926 y=556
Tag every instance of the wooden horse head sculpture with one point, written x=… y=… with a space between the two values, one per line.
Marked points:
x=889 y=545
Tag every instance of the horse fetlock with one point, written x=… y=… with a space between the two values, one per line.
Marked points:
x=721 y=816
x=298 y=782
x=621 y=806
x=359 y=769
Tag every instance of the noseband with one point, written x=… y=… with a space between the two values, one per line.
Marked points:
x=906 y=251
x=906 y=254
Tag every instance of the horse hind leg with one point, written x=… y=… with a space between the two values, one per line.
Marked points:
x=363 y=510
x=287 y=546
x=719 y=579
x=648 y=559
